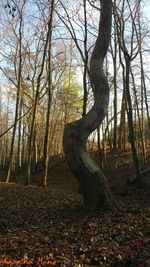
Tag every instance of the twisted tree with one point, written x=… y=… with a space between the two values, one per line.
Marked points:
x=92 y=181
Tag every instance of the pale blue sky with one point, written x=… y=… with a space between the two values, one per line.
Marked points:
x=147 y=10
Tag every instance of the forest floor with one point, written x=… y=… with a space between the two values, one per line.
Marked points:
x=48 y=227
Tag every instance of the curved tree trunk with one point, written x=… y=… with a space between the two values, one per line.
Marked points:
x=94 y=187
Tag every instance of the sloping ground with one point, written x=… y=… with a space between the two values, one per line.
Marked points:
x=47 y=227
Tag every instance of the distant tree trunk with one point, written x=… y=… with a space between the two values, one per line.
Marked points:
x=6 y=137
x=122 y=126
x=129 y=56
x=93 y=183
x=140 y=128
x=104 y=143
x=99 y=148
x=23 y=158
x=17 y=103
x=30 y=141
x=143 y=84
x=19 y=158
x=49 y=94
x=114 y=57
x=121 y=134
x=30 y=148
x=85 y=62
x=130 y=120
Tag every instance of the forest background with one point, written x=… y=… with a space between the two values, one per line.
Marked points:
x=45 y=48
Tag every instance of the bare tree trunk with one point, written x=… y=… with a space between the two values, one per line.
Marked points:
x=108 y=134
x=17 y=103
x=85 y=62
x=130 y=121
x=140 y=128
x=23 y=158
x=121 y=136
x=143 y=85
x=35 y=106
x=114 y=57
x=99 y=148
x=19 y=158
x=93 y=183
x=46 y=139
x=129 y=56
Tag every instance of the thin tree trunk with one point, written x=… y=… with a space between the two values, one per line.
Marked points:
x=99 y=148
x=35 y=106
x=140 y=128
x=130 y=121
x=85 y=62
x=121 y=137
x=17 y=103
x=115 y=90
x=47 y=130
x=19 y=158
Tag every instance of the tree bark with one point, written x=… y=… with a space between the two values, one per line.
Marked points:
x=130 y=121
x=7 y=179
x=93 y=184
x=37 y=95
x=115 y=91
x=49 y=94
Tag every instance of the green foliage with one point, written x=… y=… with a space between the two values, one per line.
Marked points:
x=70 y=96
x=72 y=89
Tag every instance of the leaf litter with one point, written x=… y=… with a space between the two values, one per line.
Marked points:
x=47 y=227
